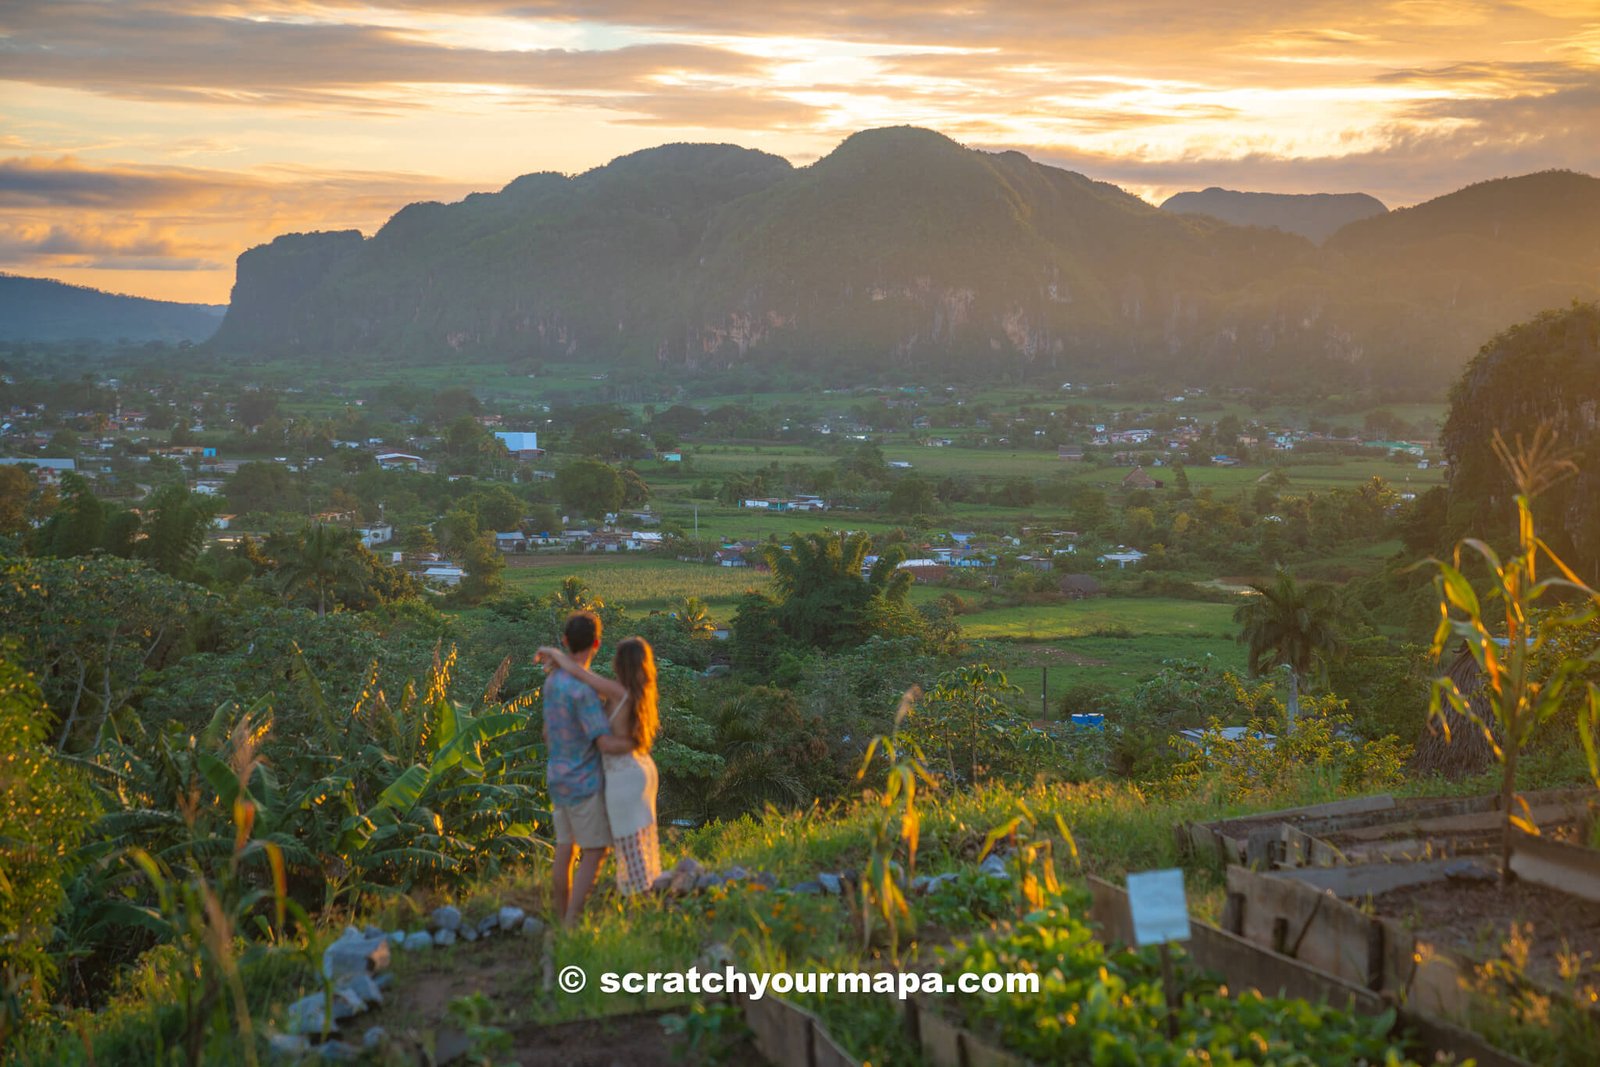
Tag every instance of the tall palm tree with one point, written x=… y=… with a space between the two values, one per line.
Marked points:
x=320 y=561
x=1289 y=625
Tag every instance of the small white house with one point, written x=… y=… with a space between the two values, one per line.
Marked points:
x=374 y=534
x=445 y=574
x=1123 y=556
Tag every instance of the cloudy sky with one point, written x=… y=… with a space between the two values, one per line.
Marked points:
x=143 y=145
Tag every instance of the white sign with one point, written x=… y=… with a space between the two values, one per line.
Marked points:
x=1160 y=910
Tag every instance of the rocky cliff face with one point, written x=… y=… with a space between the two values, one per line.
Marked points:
x=902 y=247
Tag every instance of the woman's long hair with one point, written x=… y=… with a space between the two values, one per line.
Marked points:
x=635 y=667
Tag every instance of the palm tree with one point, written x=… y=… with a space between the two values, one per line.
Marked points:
x=321 y=560
x=1292 y=626
x=694 y=617
x=825 y=590
x=574 y=595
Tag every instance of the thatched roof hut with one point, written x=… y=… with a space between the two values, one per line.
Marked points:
x=1468 y=750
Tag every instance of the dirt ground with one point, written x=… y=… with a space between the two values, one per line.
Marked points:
x=1477 y=918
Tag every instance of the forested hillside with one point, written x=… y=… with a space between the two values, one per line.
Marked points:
x=1542 y=372
x=38 y=309
x=902 y=249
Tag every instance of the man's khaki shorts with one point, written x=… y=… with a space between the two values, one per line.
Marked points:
x=585 y=823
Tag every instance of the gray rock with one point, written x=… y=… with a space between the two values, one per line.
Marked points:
x=397 y=937
x=511 y=917
x=346 y=1004
x=994 y=866
x=939 y=881
x=444 y=938
x=374 y=1037
x=355 y=953
x=919 y=884
x=488 y=925
x=736 y=874
x=306 y=1015
x=338 y=1052
x=383 y=981
x=663 y=881
x=366 y=988
x=767 y=879
x=831 y=884
x=809 y=888
x=531 y=927
x=685 y=875
x=708 y=880
x=370 y=932
x=293 y=1045
x=418 y=941
x=445 y=917
x=469 y=933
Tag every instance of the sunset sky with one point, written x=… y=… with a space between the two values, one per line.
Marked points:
x=143 y=146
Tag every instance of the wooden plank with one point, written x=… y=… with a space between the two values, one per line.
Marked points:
x=773 y=1025
x=944 y=1044
x=1463 y=1044
x=1373 y=878
x=1285 y=914
x=1467 y=823
x=1556 y=865
x=1243 y=964
x=826 y=1052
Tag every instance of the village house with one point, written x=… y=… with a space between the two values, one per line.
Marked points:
x=1123 y=556
x=1139 y=478
x=1070 y=453
x=522 y=446
x=47 y=472
x=374 y=534
x=391 y=461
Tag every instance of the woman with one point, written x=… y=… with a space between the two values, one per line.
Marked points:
x=630 y=773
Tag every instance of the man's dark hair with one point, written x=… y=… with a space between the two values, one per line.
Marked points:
x=582 y=632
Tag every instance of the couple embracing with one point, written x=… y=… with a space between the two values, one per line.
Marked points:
x=602 y=781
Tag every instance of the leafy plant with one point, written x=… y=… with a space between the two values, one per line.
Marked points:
x=1033 y=856
x=895 y=822
x=1107 y=1007
x=706 y=1032
x=1506 y=631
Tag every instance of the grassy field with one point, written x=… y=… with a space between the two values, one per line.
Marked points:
x=641 y=584
x=1114 y=641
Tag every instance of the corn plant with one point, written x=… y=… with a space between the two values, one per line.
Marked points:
x=201 y=915
x=1506 y=630
x=1033 y=857
x=895 y=822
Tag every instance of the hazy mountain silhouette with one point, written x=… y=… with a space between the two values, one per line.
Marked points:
x=38 y=309
x=1316 y=216
x=903 y=248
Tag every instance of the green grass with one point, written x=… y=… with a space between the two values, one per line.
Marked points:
x=640 y=583
x=1120 y=617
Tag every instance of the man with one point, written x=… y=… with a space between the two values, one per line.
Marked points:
x=573 y=717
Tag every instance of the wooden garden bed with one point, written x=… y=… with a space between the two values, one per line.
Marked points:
x=1379 y=829
x=1423 y=929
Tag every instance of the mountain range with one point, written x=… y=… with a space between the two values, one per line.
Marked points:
x=902 y=249
x=1315 y=216
x=39 y=309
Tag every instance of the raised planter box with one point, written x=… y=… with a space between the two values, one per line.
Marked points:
x=1246 y=964
x=789 y=1036
x=1372 y=829
x=1308 y=915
